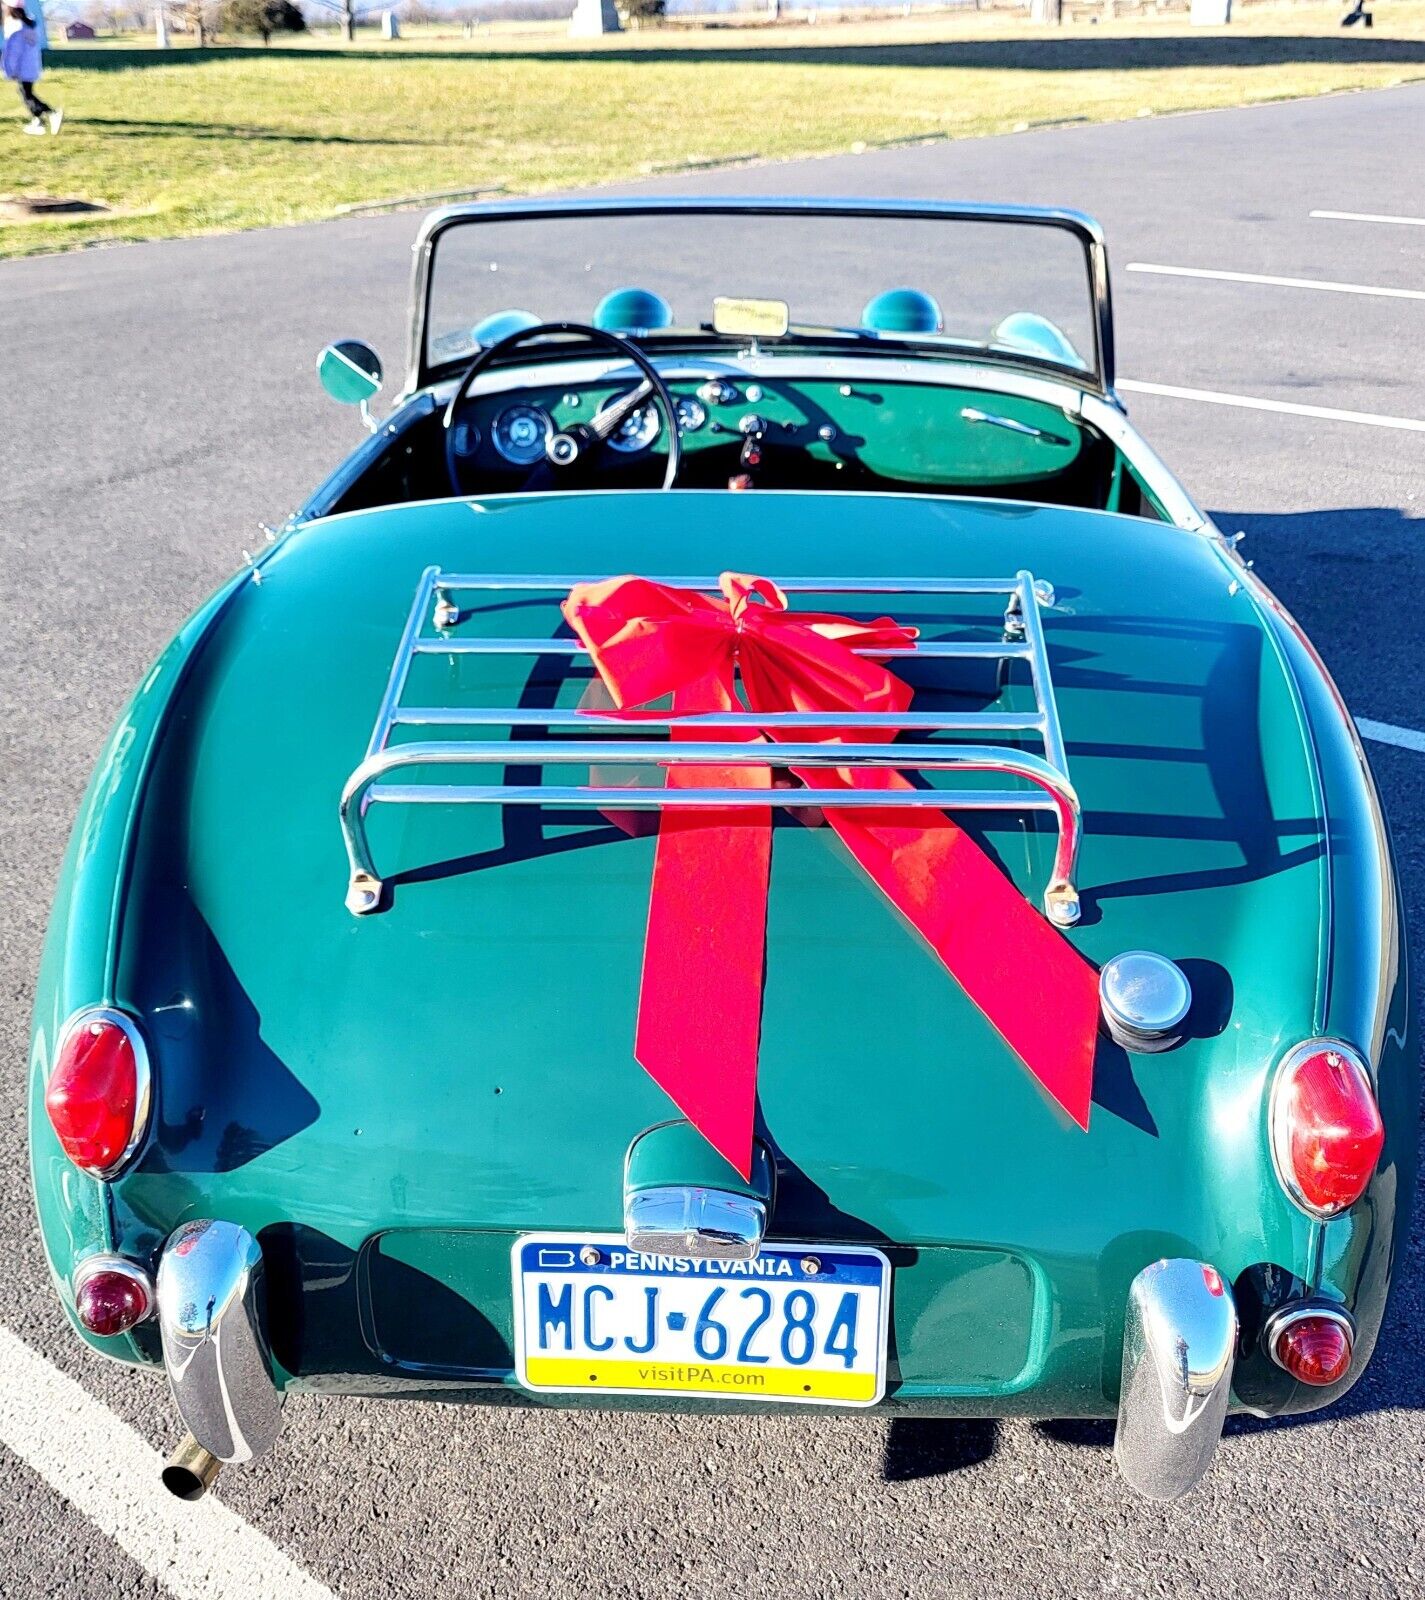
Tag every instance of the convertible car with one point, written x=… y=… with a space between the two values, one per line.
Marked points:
x=750 y=847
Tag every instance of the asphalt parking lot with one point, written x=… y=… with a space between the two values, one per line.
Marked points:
x=159 y=400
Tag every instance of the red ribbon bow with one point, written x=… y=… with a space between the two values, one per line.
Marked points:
x=699 y=1013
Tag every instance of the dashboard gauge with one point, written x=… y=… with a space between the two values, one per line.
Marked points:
x=521 y=433
x=692 y=414
x=638 y=429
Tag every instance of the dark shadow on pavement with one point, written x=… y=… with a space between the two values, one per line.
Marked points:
x=927 y=1447
x=1024 y=55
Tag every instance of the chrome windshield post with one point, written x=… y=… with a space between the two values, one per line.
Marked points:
x=1179 y=1348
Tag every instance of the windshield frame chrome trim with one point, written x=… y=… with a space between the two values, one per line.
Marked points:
x=1098 y=377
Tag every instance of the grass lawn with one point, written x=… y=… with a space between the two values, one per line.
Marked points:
x=195 y=141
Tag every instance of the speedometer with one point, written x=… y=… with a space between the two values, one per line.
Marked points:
x=638 y=429
x=521 y=433
x=692 y=414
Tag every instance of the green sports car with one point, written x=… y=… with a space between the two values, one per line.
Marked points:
x=750 y=847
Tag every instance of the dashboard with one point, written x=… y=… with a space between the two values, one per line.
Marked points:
x=786 y=432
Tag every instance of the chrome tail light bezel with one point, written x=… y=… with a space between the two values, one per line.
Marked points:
x=143 y=1080
x=1285 y=1317
x=120 y=1266
x=1279 y=1118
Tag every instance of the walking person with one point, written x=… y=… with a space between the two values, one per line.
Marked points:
x=23 y=61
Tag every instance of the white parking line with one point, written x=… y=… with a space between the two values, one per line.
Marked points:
x=1388 y=733
x=1369 y=216
x=107 y=1472
x=1279 y=283
x=1289 y=407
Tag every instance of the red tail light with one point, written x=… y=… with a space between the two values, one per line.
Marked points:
x=1326 y=1127
x=111 y=1295
x=97 y=1097
x=1313 y=1345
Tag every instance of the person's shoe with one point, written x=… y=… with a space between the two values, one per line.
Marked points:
x=35 y=127
x=56 y=121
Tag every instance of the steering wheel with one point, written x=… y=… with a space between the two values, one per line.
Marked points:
x=575 y=446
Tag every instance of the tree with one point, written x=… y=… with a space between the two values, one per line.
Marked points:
x=261 y=16
x=642 y=11
x=198 y=17
x=349 y=12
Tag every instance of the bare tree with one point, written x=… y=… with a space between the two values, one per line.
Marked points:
x=349 y=11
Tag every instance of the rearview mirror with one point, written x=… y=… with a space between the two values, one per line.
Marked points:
x=750 y=319
x=350 y=372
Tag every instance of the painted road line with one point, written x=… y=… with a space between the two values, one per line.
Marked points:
x=107 y=1472
x=1279 y=283
x=1289 y=408
x=1388 y=733
x=1369 y=216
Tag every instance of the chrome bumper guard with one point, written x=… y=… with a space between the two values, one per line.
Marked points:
x=214 y=1349
x=1179 y=1344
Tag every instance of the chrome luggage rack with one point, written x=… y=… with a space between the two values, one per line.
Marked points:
x=435 y=612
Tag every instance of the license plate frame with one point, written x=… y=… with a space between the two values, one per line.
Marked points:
x=665 y=1367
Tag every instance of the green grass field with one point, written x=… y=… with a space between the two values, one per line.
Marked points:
x=189 y=141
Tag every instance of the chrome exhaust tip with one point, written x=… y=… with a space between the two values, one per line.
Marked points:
x=191 y=1470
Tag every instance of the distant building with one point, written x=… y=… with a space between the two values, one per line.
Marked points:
x=79 y=30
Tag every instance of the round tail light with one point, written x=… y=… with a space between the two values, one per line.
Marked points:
x=111 y=1295
x=1313 y=1344
x=1326 y=1127
x=97 y=1097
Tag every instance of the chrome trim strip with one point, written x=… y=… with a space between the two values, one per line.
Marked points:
x=210 y=1281
x=906 y=721
x=1179 y=1349
x=702 y=1224
x=1023 y=640
x=1113 y=423
x=783 y=364
x=561 y=581
x=143 y=1079
x=933 y=650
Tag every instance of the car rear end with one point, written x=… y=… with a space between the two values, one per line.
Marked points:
x=411 y=1154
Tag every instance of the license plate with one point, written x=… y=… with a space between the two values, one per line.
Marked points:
x=802 y=1322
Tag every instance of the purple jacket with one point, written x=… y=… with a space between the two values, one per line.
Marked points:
x=22 y=59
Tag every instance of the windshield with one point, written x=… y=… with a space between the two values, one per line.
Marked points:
x=1016 y=286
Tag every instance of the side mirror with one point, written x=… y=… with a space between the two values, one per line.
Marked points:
x=350 y=372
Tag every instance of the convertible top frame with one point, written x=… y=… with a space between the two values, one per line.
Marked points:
x=1098 y=379
x=435 y=613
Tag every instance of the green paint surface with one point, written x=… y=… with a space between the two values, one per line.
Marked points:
x=386 y=1101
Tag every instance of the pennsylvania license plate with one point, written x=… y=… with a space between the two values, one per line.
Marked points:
x=802 y=1322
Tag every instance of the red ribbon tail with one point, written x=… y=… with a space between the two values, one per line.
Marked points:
x=1036 y=990
x=700 y=1011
